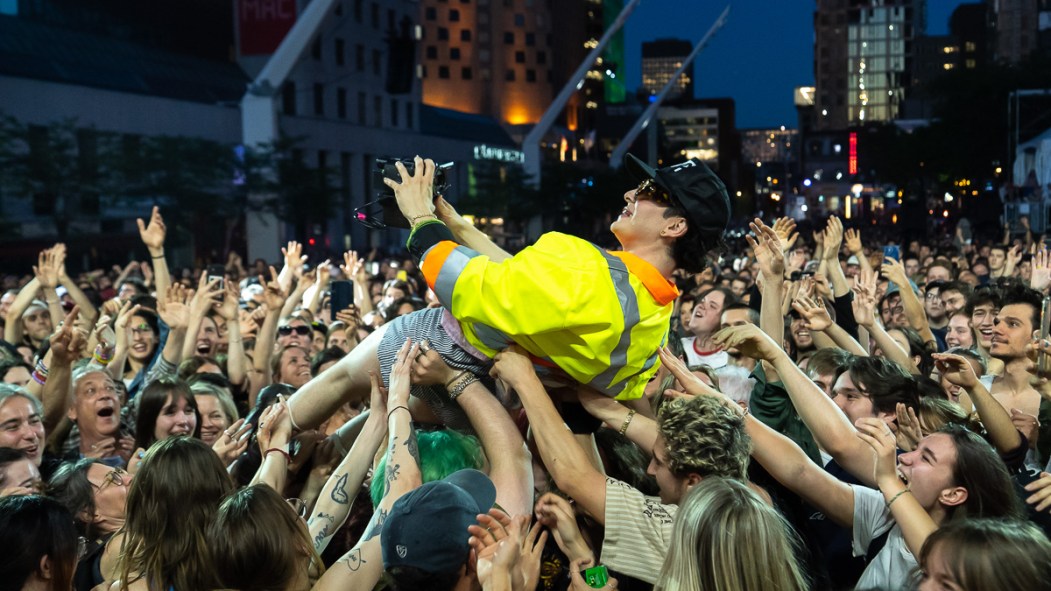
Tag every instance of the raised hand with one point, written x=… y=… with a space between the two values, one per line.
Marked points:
x=233 y=442
x=556 y=514
x=956 y=370
x=352 y=264
x=275 y=295
x=153 y=234
x=833 y=239
x=1041 y=276
x=48 y=268
x=813 y=312
x=785 y=228
x=767 y=248
x=864 y=302
x=512 y=365
x=894 y=272
x=294 y=257
x=172 y=309
x=853 y=240
x=400 y=375
x=880 y=438
x=228 y=309
x=909 y=431
x=67 y=343
x=750 y=340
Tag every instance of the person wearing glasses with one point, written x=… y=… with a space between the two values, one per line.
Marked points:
x=586 y=315
x=96 y=494
x=294 y=332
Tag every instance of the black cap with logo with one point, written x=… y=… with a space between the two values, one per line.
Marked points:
x=692 y=185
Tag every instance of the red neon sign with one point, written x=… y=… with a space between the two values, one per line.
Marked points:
x=852 y=163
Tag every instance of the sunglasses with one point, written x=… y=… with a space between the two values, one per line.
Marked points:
x=114 y=478
x=648 y=190
x=299 y=330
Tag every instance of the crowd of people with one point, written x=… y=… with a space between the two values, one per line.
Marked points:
x=777 y=413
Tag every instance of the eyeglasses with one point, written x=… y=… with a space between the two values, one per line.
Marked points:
x=651 y=191
x=115 y=478
x=895 y=310
x=299 y=330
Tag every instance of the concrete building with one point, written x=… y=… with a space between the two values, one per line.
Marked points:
x=347 y=98
x=863 y=53
x=660 y=60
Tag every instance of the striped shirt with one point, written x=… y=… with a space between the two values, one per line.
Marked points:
x=638 y=531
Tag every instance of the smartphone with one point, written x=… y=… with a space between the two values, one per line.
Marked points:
x=217 y=272
x=892 y=252
x=342 y=295
x=596 y=577
x=1045 y=325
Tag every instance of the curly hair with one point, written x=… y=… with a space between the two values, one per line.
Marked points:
x=704 y=437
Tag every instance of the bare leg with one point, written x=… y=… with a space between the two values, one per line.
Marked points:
x=347 y=381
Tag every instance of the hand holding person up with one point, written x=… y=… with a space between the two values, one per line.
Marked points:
x=415 y=192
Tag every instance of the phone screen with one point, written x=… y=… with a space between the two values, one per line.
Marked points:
x=892 y=252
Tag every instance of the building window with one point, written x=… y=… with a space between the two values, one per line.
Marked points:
x=465 y=35
x=509 y=38
x=377 y=107
x=394 y=112
x=431 y=13
x=374 y=13
x=454 y=53
x=466 y=73
x=443 y=34
x=519 y=57
x=358 y=9
x=483 y=56
x=530 y=39
x=483 y=19
x=341 y=103
x=530 y=75
x=454 y=15
x=362 y=107
x=408 y=115
x=432 y=52
x=519 y=20
x=377 y=62
x=391 y=16
x=315 y=50
x=541 y=57
x=288 y=98
x=340 y=50
x=359 y=57
x=509 y=75
x=443 y=72
x=319 y=98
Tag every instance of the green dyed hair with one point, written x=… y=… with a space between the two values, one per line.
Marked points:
x=441 y=453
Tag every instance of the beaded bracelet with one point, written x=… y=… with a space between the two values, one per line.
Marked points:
x=461 y=386
x=627 y=421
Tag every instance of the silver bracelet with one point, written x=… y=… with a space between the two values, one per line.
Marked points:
x=461 y=386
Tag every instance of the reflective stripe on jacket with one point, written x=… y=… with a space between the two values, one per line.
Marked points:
x=599 y=316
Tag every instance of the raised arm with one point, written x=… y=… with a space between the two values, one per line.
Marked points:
x=817 y=319
x=67 y=345
x=865 y=314
x=47 y=271
x=353 y=267
x=153 y=236
x=510 y=463
x=13 y=320
x=336 y=498
x=1002 y=432
x=466 y=233
x=565 y=460
x=852 y=238
x=207 y=295
x=362 y=566
x=914 y=311
x=771 y=259
x=264 y=341
x=236 y=360
x=830 y=258
x=830 y=427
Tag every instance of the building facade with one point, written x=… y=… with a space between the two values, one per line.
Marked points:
x=660 y=60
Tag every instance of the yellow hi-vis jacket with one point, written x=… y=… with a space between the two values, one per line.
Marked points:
x=599 y=316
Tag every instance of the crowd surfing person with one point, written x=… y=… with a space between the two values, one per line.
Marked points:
x=818 y=417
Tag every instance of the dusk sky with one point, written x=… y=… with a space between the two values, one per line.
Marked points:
x=759 y=57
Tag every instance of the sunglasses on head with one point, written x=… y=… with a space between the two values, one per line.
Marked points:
x=299 y=330
x=651 y=191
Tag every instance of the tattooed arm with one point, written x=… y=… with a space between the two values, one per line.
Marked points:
x=333 y=505
x=362 y=567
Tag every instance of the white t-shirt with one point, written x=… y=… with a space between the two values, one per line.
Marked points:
x=638 y=531
x=893 y=566
x=713 y=359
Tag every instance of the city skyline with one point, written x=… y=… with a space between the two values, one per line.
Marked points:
x=759 y=76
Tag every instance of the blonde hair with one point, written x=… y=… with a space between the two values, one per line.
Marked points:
x=726 y=538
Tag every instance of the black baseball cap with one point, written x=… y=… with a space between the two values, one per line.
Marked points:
x=692 y=185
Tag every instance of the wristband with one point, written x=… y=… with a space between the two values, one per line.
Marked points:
x=414 y=219
x=40 y=367
x=456 y=377
x=160 y=256
x=389 y=413
x=100 y=356
x=40 y=379
x=627 y=421
x=288 y=458
x=895 y=497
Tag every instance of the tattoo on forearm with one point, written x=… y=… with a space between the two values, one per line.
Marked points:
x=324 y=533
x=353 y=560
x=392 y=475
x=378 y=526
x=413 y=447
x=339 y=492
